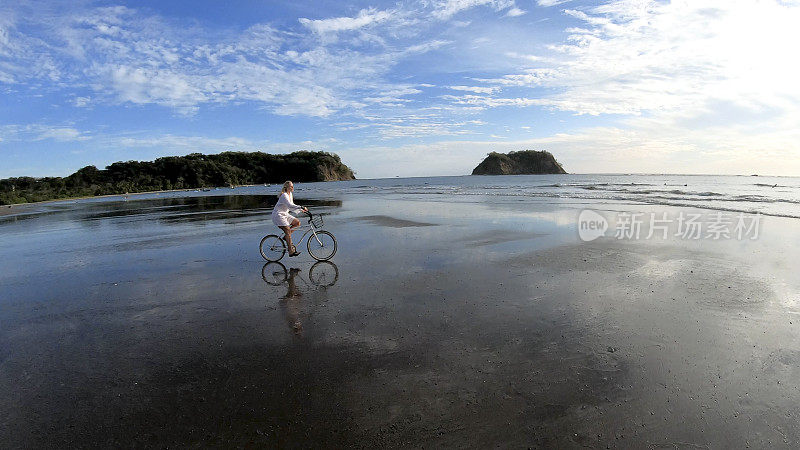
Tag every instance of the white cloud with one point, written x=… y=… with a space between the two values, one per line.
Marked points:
x=547 y=3
x=415 y=125
x=476 y=89
x=515 y=12
x=430 y=126
x=492 y=102
x=138 y=85
x=532 y=58
x=424 y=47
x=126 y=56
x=448 y=8
x=61 y=134
x=4 y=40
x=173 y=143
x=365 y=18
x=393 y=96
x=636 y=57
x=8 y=132
x=41 y=132
x=19 y=58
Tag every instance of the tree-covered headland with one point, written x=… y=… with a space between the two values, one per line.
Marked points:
x=524 y=162
x=178 y=172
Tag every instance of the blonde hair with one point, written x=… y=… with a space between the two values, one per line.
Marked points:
x=285 y=187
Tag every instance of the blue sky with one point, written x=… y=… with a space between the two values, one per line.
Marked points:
x=409 y=88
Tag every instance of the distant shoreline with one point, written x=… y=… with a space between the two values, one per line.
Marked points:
x=4 y=209
x=193 y=171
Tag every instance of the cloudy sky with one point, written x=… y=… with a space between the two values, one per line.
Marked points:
x=409 y=88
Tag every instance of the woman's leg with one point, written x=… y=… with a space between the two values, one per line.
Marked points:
x=287 y=236
x=295 y=225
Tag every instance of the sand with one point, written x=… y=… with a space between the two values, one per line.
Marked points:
x=156 y=323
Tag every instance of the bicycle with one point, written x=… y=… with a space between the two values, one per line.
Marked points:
x=321 y=244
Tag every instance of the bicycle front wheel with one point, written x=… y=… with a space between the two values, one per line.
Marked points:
x=272 y=247
x=321 y=245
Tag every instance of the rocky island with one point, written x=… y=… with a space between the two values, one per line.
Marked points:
x=179 y=172
x=519 y=163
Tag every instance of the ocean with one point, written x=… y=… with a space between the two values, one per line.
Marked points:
x=776 y=196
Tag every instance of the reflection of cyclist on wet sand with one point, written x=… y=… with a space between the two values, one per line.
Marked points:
x=291 y=302
x=285 y=221
x=321 y=276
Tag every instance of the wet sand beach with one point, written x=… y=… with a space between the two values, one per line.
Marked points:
x=455 y=322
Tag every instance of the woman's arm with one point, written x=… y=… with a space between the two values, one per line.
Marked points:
x=289 y=203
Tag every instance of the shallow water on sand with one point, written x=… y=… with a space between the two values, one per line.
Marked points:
x=463 y=322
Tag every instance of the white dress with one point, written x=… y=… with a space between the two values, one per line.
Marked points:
x=280 y=215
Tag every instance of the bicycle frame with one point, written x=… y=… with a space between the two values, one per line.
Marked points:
x=313 y=230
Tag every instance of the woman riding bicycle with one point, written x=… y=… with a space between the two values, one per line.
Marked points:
x=285 y=221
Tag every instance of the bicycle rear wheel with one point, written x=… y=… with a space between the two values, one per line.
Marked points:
x=321 y=246
x=272 y=247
